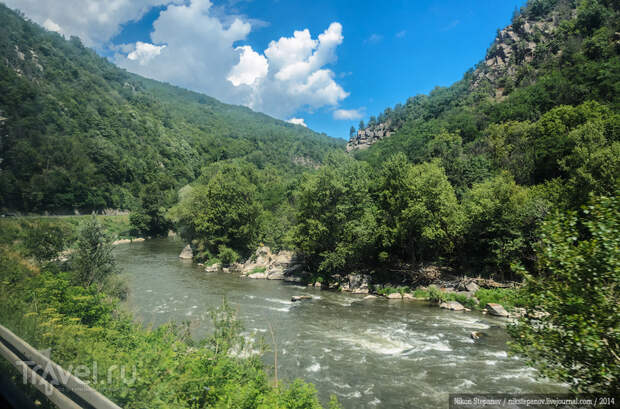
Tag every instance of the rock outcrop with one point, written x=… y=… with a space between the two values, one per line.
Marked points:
x=187 y=253
x=514 y=46
x=364 y=138
x=285 y=265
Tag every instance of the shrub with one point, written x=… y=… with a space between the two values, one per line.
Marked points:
x=227 y=255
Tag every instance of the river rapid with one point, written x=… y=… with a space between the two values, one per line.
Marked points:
x=369 y=353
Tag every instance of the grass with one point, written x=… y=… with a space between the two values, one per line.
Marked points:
x=258 y=270
x=387 y=290
x=13 y=229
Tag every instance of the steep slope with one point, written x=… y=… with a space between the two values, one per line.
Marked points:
x=555 y=52
x=76 y=132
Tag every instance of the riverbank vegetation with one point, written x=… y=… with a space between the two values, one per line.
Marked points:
x=54 y=304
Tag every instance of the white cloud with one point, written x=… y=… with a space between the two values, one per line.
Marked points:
x=349 y=114
x=94 y=21
x=199 y=53
x=144 y=52
x=51 y=26
x=298 y=121
x=252 y=66
x=297 y=75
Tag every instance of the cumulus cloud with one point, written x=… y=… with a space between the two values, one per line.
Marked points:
x=252 y=66
x=298 y=121
x=51 y=26
x=297 y=76
x=144 y=52
x=349 y=114
x=94 y=21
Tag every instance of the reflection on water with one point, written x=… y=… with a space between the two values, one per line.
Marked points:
x=370 y=353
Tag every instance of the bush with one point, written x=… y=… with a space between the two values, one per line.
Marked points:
x=227 y=255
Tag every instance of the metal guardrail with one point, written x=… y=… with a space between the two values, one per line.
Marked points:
x=61 y=387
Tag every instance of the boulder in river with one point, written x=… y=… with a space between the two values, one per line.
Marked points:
x=370 y=297
x=258 y=275
x=477 y=335
x=452 y=306
x=187 y=253
x=497 y=310
x=395 y=296
x=300 y=297
x=213 y=268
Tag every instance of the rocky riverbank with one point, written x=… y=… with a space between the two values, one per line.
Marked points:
x=446 y=290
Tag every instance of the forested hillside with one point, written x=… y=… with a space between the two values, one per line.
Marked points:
x=76 y=132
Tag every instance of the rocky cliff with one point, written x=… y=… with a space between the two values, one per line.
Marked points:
x=364 y=138
x=525 y=42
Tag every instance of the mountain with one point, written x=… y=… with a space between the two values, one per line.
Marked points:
x=555 y=52
x=77 y=132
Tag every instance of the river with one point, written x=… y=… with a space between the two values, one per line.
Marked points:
x=369 y=353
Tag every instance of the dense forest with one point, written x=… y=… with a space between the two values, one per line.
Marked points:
x=77 y=132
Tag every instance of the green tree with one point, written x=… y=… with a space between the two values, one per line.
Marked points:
x=352 y=132
x=419 y=214
x=93 y=259
x=336 y=219
x=224 y=212
x=502 y=220
x=575 y=337
x=45 y=241
x=149 y=219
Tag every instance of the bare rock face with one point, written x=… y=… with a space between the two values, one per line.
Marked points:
x=285 y=265
x=187 y=253
x=514 y=46
x=364 y=138
x=497 y=310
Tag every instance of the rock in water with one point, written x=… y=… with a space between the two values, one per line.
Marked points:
x=395 y=296
x=300 y=297
x=497 y=310
x=187 y=253
x=452 y=306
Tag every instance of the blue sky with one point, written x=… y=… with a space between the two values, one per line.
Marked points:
x=373 y=54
